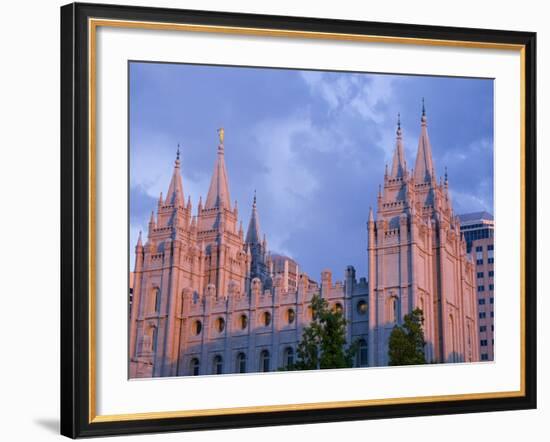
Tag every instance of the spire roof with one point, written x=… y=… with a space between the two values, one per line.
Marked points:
x=423 y=168
x=175 y=190
x=253 y=232
x=398 y=164
x=218 y=193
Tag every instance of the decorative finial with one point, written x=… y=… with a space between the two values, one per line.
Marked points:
x=178 y=153
x=398 y=121
x=221 y=134
x=254 y=202
x=446 y=176
x=423 y=108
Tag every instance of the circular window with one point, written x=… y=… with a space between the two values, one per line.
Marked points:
x=243 y=321
x=290 y=316
x=361 y=307
x=266 y=318
x=197 y=327
x=220 y=325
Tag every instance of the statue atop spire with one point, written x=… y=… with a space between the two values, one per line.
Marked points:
x=221 y=137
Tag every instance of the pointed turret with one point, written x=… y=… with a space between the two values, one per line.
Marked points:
x=256 y=247
x=139 y=242
x=218 y=193
x=152 y=224
x=253 y=232
x=398 y=165
x=371 y=215
x=423 y=169
x=241 y=231
x=175 y=190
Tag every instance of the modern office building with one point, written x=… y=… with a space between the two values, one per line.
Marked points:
x=478 y=230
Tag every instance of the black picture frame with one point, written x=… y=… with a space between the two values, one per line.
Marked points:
x=76 y=404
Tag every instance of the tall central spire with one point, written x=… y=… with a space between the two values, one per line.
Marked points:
x=253 y=232
x=175 y=190
x=398 y=165
x=423 y=169
x=218 y=193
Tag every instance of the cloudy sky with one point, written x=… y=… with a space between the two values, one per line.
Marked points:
x=312 y=144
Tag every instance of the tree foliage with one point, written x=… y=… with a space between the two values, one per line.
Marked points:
x=323 y=344
x=406 y=345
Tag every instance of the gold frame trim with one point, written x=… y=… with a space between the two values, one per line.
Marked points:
x=93 y=24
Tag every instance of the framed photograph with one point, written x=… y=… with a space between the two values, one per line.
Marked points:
x=274 y=220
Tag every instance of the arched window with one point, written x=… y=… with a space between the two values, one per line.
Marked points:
x=218 y=364
x=362 y=353
x=309 y=312
x=290 y=316
x=243 y=321
x=197 y=327
x=338 y=308
x=264 y=360
x=266 y=318
x=220 y=325
x=362 y=307
x=195 y=366
x=289 y=357
x=241 y=363
x=156 y=299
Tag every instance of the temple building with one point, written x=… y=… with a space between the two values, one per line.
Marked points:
x=208 y=299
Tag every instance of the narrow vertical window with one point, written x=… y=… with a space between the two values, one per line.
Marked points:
x=289 y=357
x=241 y=363
x=362 y=354
x=264 y=361
x=154 y=340
x=218 y=364
x=156 y=300
x=195 y=367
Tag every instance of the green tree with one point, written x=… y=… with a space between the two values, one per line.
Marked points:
x=406 y=346
x=323 y=343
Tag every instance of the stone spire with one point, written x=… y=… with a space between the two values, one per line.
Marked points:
x=398 y=165
x=218 y=193
x=253 y=232
x=175 y=190
x=423 y=169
